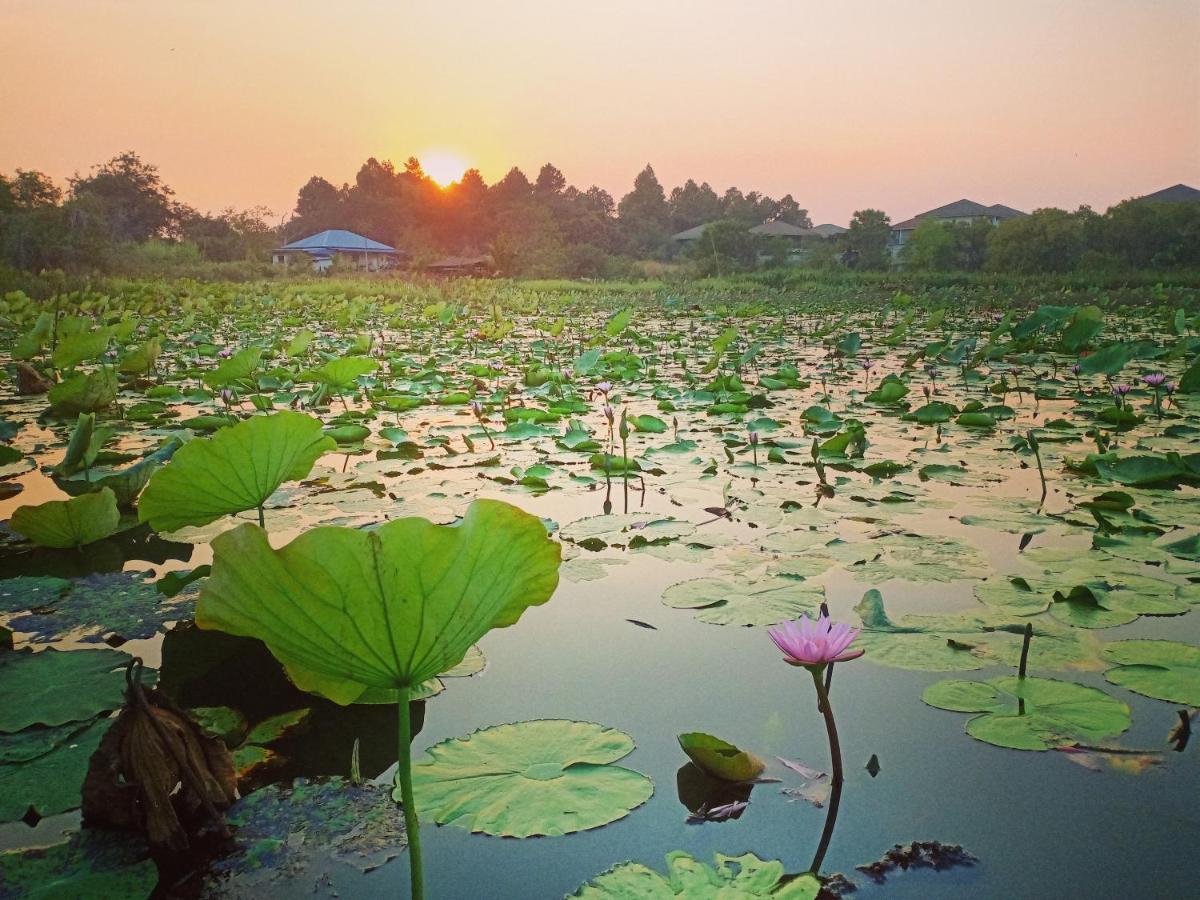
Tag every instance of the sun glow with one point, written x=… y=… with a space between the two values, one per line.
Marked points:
x=442 y=166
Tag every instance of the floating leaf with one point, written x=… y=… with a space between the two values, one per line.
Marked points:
x=235 y=470
x=1031 y=713
x=57 y=686
x=50 y=783
x=731 y=878
x=93 y=864
x=767 y=601
x=1164 y=670
x=545 y=777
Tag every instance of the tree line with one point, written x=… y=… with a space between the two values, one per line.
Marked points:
x=122 y=217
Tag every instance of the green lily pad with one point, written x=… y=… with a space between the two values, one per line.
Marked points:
x=236 y=469
x=1164 y=670
x=346 y=611
x=57 y=686
x=545 y=777
x=98 y=865
x=50 y=783
x=64 y=524
x=768 y=601
x=731 y=878
x=1055 y=713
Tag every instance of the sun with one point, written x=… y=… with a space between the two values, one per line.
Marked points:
x=443 y=166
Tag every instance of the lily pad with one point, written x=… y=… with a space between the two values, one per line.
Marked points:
x=730 y=878
x=98 y=865
x=545 y=777
x=52 y=782
x=1164 y=670
x=1031 y=713
x=57 y=686
x=768 y=601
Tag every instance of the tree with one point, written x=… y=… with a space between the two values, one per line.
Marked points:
x=1048 y=240
x=725 y=246
x=131 y=196
x=550 y=182
x=644 y=214
x=867 y=239
x=34 y=190
x=788 y=210
x=933 y=246
x=692 y=205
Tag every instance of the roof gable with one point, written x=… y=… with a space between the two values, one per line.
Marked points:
x=338 y=239
x=1177 y=193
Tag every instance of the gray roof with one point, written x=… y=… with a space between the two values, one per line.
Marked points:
x=337 y=239
x=960 y=209
x=690 y=234
x=780 y=229
x=828 y=230
x=1178 y=193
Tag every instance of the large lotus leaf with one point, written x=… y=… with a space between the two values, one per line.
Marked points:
x=236 y=469
x=1031 y=713
x=92 y=607
x=75 y=348
x=1139 y=470
x=341 y=374
x=1165 y=670
x=719 y=758
x=732 y=878
x=84 y=392
x=767 y=601
x=57 y=686
x=239 y=366
x=288 y=834
x=546 y=777
x=69 y=523
x=346 y=610
x=92 y=864
x=50 y=783
x=472 y=663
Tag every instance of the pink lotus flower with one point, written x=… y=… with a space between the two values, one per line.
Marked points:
x=808 y=643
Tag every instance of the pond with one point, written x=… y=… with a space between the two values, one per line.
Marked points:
x=879 y=458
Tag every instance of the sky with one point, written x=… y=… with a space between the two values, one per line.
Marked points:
x=901 y=106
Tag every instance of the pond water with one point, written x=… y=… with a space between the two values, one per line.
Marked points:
x=961 y=508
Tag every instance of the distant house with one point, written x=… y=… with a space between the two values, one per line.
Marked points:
x=320 y=249
x=960 y=211
x=1179 y=193
x=774 y=228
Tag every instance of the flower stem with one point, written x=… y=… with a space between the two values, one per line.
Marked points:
x=835 y=754
x=411 y=825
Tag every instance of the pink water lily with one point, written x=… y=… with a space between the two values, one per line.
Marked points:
x=809 y=643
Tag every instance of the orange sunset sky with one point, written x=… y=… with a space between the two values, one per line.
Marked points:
x=897 y=105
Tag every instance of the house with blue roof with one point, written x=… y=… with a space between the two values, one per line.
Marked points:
x=319 y=250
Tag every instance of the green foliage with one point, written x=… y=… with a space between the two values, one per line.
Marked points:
x=546 y=777
x=70 y=523
x=719 y=758
x=732 y=878
x=346 y=611
x=236 y=469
